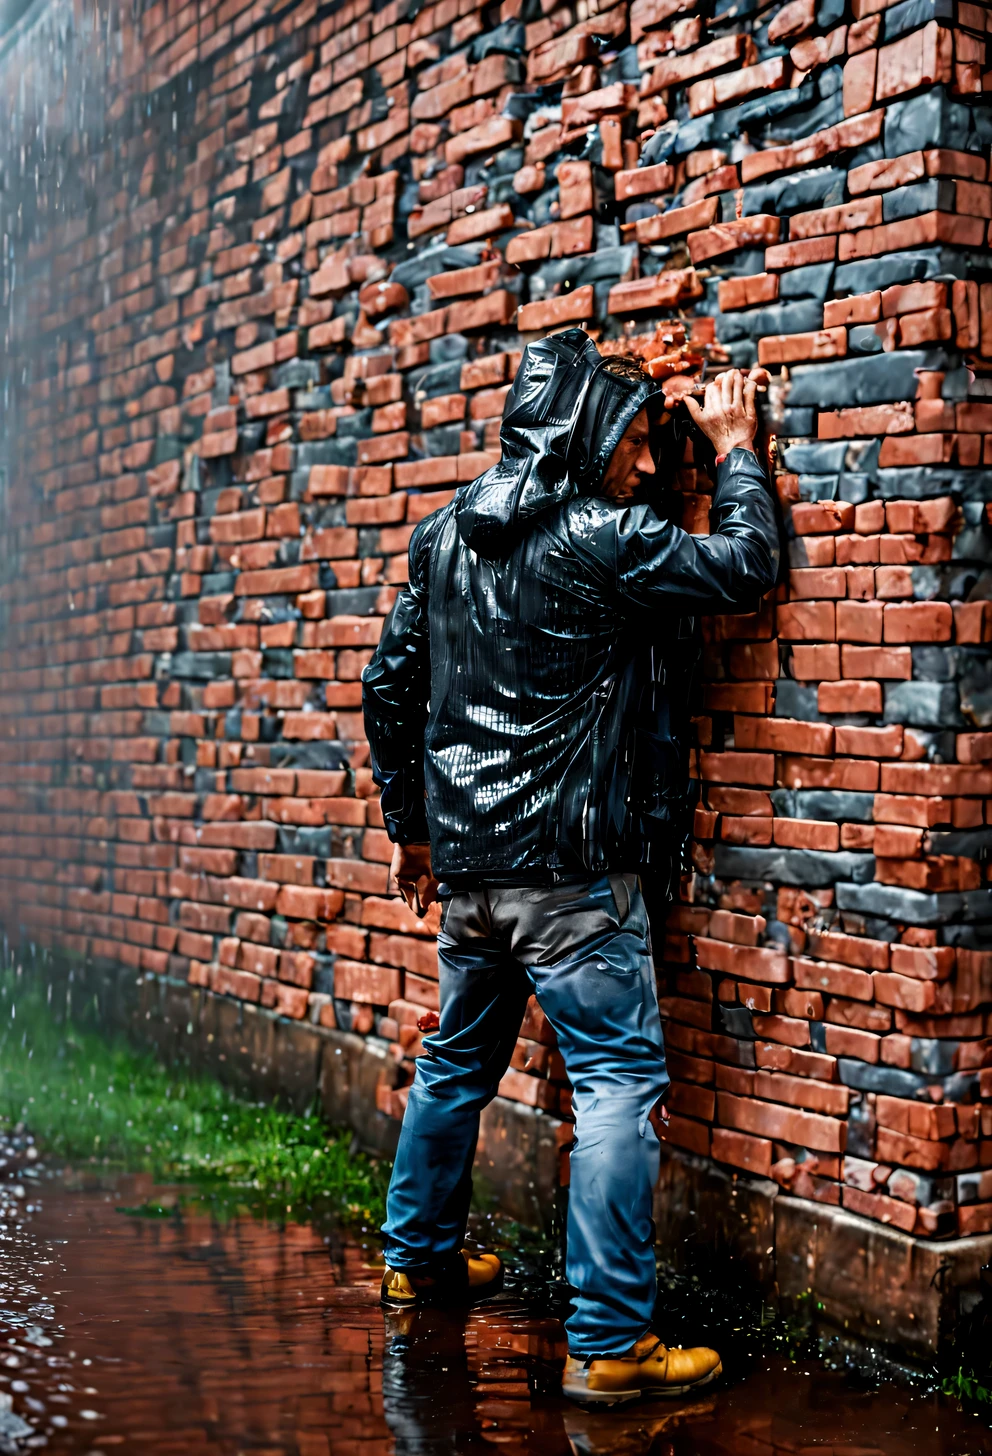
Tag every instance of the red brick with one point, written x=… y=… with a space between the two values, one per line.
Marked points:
x=678 y=220
x=752 y=1154
x=876 y=662
x=849 y=697
x=753 y=963
x=773 y=1056
x=806 y=621
x=870 y=742
x=359 y=981
x=677 y=70
x=903 y=991
x=746 y=768
x=806 y=834
x=553 y=311
x=814 y=518
x=822 y=773
x=834 y=979
x=808 y=1129
x=799 y=254
x=918 y=622
x=726 y=237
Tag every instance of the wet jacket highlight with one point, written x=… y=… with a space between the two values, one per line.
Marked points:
x=528 y=704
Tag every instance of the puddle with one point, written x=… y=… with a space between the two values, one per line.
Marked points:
x=185 y=1333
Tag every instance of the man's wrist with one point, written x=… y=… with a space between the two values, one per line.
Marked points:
x=737 y=445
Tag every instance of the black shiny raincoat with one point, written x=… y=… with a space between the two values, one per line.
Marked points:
x=528 y=704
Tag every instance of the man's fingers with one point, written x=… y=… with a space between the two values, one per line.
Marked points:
x=738 y=390
x=750 y=389
x=694 y=408
x=428 y=895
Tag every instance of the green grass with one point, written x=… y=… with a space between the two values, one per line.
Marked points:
x=969 y=1390
x=89 y=1100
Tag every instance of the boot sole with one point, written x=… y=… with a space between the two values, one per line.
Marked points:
x=443 y=1299
x=605 y=1398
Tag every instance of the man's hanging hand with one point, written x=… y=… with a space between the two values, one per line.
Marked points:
x=411 y=869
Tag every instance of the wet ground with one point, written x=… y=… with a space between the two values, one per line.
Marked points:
x=187 y=1333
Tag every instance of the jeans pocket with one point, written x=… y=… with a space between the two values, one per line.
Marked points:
x=622 y=887
x=622 y=958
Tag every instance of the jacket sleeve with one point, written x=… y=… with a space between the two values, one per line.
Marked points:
x=652 y=563
x=395 y=693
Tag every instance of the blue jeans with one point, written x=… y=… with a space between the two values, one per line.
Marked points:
x=584 y=949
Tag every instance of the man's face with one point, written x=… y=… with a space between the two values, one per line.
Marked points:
x=632 y=462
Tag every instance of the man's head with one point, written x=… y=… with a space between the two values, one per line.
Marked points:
x=632 y=462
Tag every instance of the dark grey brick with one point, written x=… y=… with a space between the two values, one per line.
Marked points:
x=862 y=381
x=923 y=482
x=355 y=601
x=605 y=263
x=864 y=339
x=973 y=544
x=917 y=198
x=277 y=662
x=838 y=804
x=870 y=273
x=216 y=583
x=853 y=487
x=912 y=14
x=818 y=487
x=437 y=379
x=444 y=440
x=418 y=269
x=777 y=318
x=796 y=700
x=812 y=281
x=809 y=867
x=922 y=704
x=891 y=1081
x=927 y=120
x=914 y=907
x=817 y=457
x=327 y=452
x=935 y=664
x=736 y=1021
x=829 y=13
x=357 y=426
x=203 y=665
x=970 y=843
x=798 y=192
x=314 y=399
x=331 y=753
x=296 y=374
x=448 y=348
x=797 y=422
x=932 y=1055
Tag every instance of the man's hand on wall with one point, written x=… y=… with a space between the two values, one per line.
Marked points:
x=728 y=417
x=411 y=869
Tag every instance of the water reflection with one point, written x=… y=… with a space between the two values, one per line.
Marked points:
x=187 y=1334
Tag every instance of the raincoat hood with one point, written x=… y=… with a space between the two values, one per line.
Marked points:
x=566 y=412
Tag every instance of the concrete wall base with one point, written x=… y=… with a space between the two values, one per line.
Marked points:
x=874 y=1283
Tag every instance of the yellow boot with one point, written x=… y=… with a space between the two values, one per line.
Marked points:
x=650 y=1368
x=405 y=1289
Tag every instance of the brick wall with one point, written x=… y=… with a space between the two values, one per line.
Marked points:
x=264 y=274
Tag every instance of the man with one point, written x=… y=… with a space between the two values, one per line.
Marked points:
x=527 y=710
